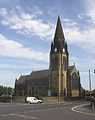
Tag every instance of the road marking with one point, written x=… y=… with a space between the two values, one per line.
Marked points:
x=24 y=116
x=3 y=115
x=18 y=115
x=74 y=109
x=44 y=110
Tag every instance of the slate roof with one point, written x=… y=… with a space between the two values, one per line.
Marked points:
x=22 y=79
x=39 y=74
x=59 y=32
x=70 y=68
x=35 y=75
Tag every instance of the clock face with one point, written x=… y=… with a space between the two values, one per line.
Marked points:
x=55 y=49
x=63 y=50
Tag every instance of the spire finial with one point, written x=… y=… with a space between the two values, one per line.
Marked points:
x=59 y=39
x=59 y=36
x=58 y=17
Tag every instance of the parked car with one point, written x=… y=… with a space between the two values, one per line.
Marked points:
x=33 y=100
x=6 y=95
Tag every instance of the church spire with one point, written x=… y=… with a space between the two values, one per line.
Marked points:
x=59 y=36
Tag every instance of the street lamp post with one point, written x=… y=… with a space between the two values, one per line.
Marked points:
x=94 y=71
x=59 y=89
x=59 y=77
x=90 y=83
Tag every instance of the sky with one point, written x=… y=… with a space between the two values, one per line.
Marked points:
x=27 y=28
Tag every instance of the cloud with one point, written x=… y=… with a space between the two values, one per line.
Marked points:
x=80 y=16
x=4 y=1
x=90 y=9
x=25 y=66
x=69 y=23
x=8 y=78
x=26 y=23
x=36 y=11
x=11 y=48
x=73 y=60
x=84 y=38
x=81 y=32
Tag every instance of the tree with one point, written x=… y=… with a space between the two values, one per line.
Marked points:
x=93 y=92
x=6 y=90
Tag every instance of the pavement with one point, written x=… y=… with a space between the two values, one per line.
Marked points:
x=84 y=108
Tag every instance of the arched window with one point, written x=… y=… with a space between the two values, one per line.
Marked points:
x=74 y=81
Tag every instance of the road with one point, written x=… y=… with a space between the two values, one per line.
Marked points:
x=60 y=111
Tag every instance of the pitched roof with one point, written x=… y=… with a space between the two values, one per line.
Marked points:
x=39 y=74
x=22 y=79
x=71 y=68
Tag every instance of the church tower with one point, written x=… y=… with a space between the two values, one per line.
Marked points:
x=61 y=80
x=59 y=62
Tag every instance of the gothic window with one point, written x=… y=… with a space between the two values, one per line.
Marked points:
x=74 y=81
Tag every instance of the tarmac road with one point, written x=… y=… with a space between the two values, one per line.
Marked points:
x=53 y=111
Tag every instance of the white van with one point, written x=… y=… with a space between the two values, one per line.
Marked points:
x=33 y=100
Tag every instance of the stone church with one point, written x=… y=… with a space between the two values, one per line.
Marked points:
x=59 y=80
